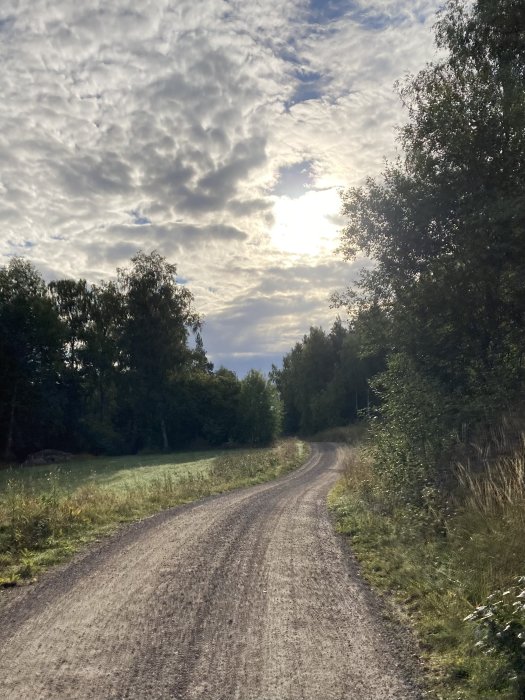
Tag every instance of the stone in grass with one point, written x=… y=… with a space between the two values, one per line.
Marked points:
x=46 y=457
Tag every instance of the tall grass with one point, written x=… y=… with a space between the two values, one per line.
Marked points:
x=442 y=560
x=41 y=525
x=502 y=485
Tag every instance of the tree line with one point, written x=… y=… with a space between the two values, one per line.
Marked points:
x=324 y=380
x=117 y=367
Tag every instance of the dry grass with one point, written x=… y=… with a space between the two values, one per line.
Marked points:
x=358 y=472
x=501 y=485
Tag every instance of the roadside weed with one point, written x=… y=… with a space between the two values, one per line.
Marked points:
x=446 y=570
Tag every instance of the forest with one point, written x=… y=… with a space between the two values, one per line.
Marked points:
x=117 y=368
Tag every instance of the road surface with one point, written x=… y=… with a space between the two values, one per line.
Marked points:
x=246 y=596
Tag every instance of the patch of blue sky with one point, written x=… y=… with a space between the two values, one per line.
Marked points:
x=138 y=219
x=294 y=180
x=26 y=245
x=310 y=86
x=325 y=11
x=364 y=14
x=6 y=23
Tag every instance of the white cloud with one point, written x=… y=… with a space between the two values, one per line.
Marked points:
x=186 y=113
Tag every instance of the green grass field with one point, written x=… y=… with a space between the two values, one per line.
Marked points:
x=112 y=472
x=48 y=513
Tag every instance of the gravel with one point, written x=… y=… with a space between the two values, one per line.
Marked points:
x=246 y=596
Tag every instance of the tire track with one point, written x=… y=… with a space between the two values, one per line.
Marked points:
x=246 y=596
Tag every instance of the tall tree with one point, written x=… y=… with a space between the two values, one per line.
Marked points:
x=30 y=357
x=259 y=416
x=159 y=317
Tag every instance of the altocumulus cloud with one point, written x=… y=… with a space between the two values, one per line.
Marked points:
x=209 y=130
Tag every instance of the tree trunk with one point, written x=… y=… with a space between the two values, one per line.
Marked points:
x=165 y=443
x=8 y=452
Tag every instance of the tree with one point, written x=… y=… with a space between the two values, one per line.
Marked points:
x=259 y=413
x=220 y=406
x=73 y=300
x=324 y=379
x=159 y=317
x=30 y=358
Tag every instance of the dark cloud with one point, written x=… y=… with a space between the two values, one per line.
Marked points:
x=89 y=175
x=117 y=243
x=249 y=207
x=246 y=156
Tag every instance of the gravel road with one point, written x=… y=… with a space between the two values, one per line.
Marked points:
x=245 y=596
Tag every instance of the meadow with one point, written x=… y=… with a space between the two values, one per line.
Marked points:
x=47 y=513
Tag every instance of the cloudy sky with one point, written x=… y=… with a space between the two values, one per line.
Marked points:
x=219 y=132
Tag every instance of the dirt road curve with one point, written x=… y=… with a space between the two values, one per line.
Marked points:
x=248 y=596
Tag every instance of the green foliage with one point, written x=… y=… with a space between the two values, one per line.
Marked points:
x=501 y=624
x=413 y=436
x=259 y=411
x=159 y=312
x=324 y=380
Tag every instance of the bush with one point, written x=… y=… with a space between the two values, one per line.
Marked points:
x=412 y=432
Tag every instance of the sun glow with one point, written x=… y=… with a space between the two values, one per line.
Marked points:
x=307 y=225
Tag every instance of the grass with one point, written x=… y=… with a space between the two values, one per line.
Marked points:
x=435 y=565
x=112 y=472
x=47 y=514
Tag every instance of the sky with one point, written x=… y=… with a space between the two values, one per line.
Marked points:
x=218 y=132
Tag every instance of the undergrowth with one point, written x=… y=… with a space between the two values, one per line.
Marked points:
x=41 y=524
x=453 y=567
x=349 y=434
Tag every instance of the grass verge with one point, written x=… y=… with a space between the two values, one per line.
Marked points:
x=436 y=568
x=48 y=514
